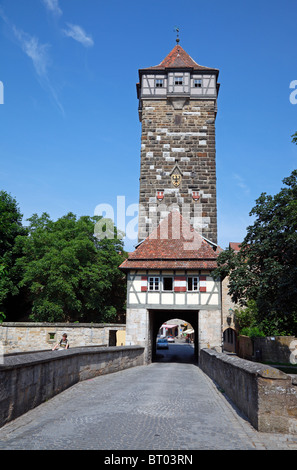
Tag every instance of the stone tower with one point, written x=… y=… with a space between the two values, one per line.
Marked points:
x=177 y=109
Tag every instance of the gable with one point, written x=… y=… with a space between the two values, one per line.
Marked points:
x=173 y=244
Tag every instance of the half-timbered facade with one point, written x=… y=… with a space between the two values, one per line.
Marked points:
x=170 y=275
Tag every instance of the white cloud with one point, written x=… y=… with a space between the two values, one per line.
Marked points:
x=53 y=6
x=36 y=51
x=39 y=54
x=241 y=184
x=78 y=34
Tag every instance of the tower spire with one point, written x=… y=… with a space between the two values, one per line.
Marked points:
x=176 y=29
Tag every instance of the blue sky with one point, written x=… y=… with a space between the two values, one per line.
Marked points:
x=70 y=134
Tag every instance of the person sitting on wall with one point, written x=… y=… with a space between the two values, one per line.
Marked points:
x=63 y=344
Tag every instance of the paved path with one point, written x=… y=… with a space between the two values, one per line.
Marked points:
x=163 y=406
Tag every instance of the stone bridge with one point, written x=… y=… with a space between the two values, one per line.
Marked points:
x=105 y=398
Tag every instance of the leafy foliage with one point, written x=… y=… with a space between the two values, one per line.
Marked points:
x=246 y=317
x=10 y=228
x=252 y=332
x=68 y=274
x=10 y=223
x=265 y=268
x=58 y=270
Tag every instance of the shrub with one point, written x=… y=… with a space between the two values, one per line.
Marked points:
x=252 y=332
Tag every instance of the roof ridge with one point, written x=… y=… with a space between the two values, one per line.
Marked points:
x=178 y=58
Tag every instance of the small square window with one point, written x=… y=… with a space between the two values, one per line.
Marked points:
x=193 y=283
x=178 y=80
x=154 y=283
x=197 y=83
x=51 y=336
x=159 y=83
x=167 y=283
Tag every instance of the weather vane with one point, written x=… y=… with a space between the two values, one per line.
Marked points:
x=176 y=29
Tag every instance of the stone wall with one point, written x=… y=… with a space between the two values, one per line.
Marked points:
x=273 y=349
x=227 y=306
x=267 y=396
x=245 y=347
x=22 y=337
x=276 y=349
x=29 y=379
x=178 y=138
x=138 y=329
x=210 y=329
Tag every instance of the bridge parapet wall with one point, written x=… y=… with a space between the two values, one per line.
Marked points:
x=266 y=396
x=27 y=380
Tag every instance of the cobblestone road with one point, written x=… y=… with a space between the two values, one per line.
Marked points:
x=163 y=406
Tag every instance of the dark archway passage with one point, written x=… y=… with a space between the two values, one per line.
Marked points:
x=179 y=351
x=230 y=340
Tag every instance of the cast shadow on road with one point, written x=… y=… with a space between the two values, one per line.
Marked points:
x=177 y=352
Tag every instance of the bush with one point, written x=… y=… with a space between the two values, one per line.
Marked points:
x=252 y=332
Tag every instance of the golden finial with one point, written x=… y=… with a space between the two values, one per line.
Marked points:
x=176 y=29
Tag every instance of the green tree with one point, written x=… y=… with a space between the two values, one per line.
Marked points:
x=10 y=223
x=70 y=275
x=247 y=320
x=265 y=269
x=10 y=228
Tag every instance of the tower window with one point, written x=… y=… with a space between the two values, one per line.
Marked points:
x=154 y=283
x=193 y=283
x=178 y=80
x=197 y=83
x=167 y=283
x=159 y=82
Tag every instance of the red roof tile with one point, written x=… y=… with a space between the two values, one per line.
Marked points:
x=235 y=246
x=179 y=58
x=173 y=244
x=169 y=264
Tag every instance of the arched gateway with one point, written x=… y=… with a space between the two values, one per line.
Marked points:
x=169 y=273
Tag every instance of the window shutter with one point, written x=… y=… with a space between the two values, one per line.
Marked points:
x=180 y=284
x=202 y=282
x=143 y=283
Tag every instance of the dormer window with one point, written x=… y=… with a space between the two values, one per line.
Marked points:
x=197 y=83
x=159 y=82
x=178 y=80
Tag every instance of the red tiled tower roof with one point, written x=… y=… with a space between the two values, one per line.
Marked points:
x=179 y=58
x=235 y=246
x=174 y=244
